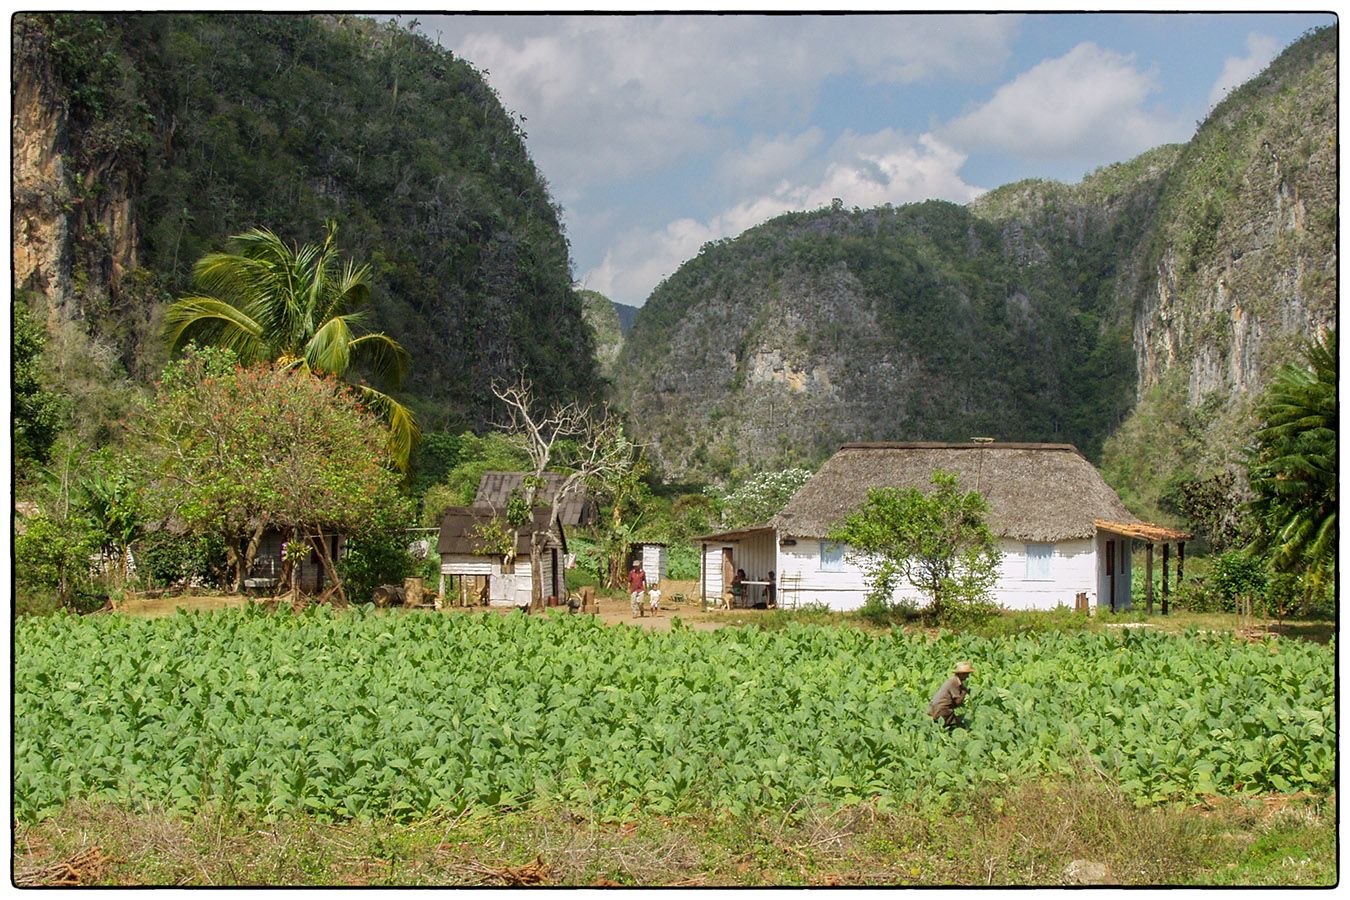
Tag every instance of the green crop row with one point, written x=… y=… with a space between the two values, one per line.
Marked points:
x=368 y=714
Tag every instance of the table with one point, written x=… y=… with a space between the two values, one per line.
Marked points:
x=745 y=598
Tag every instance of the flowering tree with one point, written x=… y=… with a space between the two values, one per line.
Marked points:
x=235 y=450
x=762 y=497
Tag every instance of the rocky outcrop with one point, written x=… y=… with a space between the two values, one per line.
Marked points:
x=73 y=216
x=1043 y=312
x=41 y=195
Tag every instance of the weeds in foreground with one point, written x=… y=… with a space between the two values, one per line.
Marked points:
x=1030 y=834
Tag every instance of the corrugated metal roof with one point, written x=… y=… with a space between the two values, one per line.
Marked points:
x=494 y=492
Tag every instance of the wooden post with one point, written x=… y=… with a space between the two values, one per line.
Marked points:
x=1167 y=551
x=440 y=589
x=1148 y=572
x=1181 y=561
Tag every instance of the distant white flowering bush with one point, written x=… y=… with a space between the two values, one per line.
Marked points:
x=763 y=496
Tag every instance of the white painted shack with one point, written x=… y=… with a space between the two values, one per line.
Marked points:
x=652 y=555
x=471 y=574
x=1062 y=529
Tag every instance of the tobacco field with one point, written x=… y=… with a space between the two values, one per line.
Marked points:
x=371 y=715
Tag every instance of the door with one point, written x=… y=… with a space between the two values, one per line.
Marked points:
x=1111 y=573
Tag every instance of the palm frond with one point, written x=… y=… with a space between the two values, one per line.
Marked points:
x=404 y=432
x=209 y=320
x=329 y=350
x=388 y=361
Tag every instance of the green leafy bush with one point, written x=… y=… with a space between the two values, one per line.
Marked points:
x=165 y=560
x=1197 y=595
x=373 y=560
x=1237 y=574
x=53 y=556
x=682 y=562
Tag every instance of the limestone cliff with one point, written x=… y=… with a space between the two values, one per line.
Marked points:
x=1136 y=314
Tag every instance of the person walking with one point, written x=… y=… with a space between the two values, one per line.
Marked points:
x=951 y=695
x=637 y=586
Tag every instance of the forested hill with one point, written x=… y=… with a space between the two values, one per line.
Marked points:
x=142 y=141
x=1043 y=311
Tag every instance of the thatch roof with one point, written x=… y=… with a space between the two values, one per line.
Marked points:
x=459 y=534
x=1036 y=492
x=494 y=491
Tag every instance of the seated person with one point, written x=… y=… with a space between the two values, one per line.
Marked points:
x=738 y=587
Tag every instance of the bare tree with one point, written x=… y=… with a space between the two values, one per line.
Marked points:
x=597 y=449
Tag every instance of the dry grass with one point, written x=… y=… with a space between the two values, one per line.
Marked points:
x=1026 y=835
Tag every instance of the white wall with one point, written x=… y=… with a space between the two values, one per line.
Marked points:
x=509 y=588
x=1073 y=568
x=801 y=579
x=654 y=562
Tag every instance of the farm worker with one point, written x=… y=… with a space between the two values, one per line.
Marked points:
x=637 y=585
x=951 y=695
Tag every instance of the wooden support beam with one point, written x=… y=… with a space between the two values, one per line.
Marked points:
x=1181 y=561
x=1167 y=550
x=1148 y=572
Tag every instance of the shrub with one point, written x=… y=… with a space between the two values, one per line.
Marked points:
x=376 y=559
x=682 y=562
x=1196 y=595
x=883 y=613
x=52 y=556
x=1236 y=574
x=166 y=560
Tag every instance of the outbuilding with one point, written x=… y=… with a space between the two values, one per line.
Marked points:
x=473 y=572
x=1064 y=533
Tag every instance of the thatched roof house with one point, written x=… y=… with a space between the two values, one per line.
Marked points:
x=1064 y=535
x=495 y=488
x=1036 y=492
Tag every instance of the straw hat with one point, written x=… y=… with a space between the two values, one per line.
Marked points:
x=964 y=667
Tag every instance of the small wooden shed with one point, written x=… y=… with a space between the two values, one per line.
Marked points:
x=471 y=574
x=652 y=555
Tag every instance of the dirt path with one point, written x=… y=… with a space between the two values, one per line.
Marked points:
x=613 y=610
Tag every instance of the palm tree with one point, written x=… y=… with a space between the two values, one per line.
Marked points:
x=1293 y=471
x=299 y=307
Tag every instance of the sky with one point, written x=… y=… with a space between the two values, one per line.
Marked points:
x=657 y=134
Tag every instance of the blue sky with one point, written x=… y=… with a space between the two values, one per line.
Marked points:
x=659 y=133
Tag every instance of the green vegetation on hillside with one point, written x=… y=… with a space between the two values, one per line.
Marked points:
x=997 y=347
x=1238 y=269
x=224 y=122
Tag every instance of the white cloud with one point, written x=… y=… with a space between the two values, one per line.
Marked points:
x=1088 y=104
x=767 y=160
x=614 y=97
x=861 y=170
x=1261 y=49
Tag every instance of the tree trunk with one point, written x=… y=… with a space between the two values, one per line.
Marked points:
x=244 y=563
x=320 y=544
x=536 y=571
